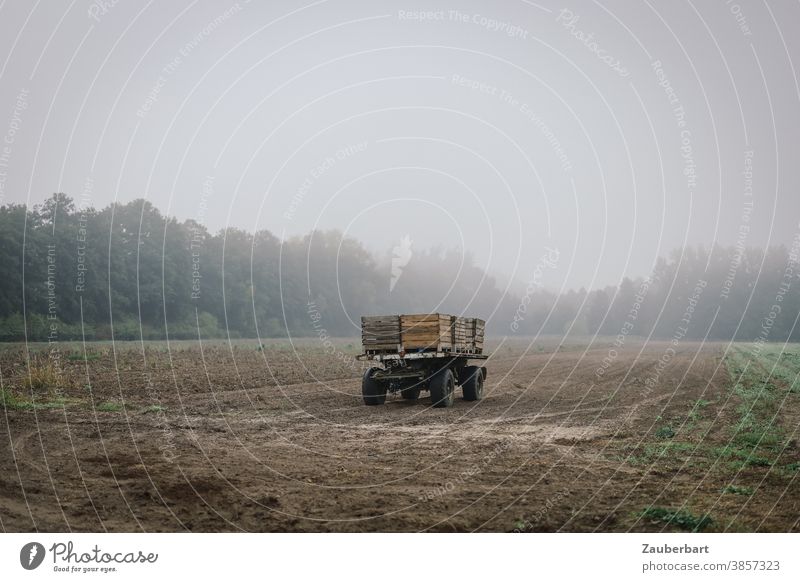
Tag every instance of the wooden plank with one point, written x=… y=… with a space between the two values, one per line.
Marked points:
x=421 y=332
x=380 y=333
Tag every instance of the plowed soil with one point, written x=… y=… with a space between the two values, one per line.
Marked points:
x=219 y=437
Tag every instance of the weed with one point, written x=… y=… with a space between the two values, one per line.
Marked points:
x=681 y=518
x=694 y=413
x=758 y=462
x=756 y=437
x=740 y=457
x=652 y=452
x=42 y=377
x=11 y=402
x=109 y=407
x=665 y=432
x=759 y=436
x=154 y=408
x=50 y=404
x=737 y=490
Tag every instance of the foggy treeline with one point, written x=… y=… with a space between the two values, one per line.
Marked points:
x=79 y=272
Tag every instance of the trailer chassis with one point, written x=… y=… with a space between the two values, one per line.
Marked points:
x=415 y=372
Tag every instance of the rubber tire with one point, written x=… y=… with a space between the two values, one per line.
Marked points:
x=372 y=391
x=442 y=388
x=472 y=383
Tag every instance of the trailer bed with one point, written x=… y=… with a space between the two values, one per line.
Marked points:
x=386 y=356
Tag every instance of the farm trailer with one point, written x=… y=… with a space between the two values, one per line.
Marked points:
x=420 y=352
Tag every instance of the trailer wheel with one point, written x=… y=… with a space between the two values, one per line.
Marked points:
x=472 y=383
x=374 y=392
x=442 y=387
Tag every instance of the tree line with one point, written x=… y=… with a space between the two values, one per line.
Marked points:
x=126 y=271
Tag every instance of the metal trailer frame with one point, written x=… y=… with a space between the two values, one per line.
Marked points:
x=412 y=372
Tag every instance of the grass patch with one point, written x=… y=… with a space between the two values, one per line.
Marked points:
x=737 y=490
x=729 y=457
x=695 y=413
x=756 y=438
x=42 y=377
x=10 y=401
x=109 y=407
x=153 y=408
x=737 y=458
x=51 y=404
x=681 y=518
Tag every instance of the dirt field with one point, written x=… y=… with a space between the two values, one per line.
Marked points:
x=277 y=439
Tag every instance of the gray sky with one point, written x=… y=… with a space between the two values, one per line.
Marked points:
x=611 y=131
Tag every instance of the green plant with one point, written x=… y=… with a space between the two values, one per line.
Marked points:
x=695 y=412
x=680 y=518
x=758 y=435
x=737 y=490
x=57 y=403
x=10 y=401
x=109 y=407
x=153 y=408
x=665 y=432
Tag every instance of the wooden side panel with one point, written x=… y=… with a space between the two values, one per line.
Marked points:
x=422 y=331
x=380 y=333
x=426 y=331
x=478 y=332
x=461 y=334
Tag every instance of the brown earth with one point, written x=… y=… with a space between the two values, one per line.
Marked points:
x=232 y=438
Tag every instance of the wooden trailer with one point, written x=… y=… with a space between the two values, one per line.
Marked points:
x=418 y=352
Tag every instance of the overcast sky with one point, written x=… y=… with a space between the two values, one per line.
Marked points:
x=613 y=132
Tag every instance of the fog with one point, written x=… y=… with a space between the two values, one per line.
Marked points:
x=609 y=132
